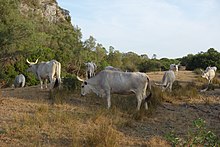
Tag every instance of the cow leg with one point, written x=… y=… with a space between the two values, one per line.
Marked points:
x=139 y=100
x=146 y=105
x=163 y=88
x=45 y=83
x=41 y=84
x=52 y=82
x=168 y=85
x=22 y=84
x=108 y=99
x=171 y=85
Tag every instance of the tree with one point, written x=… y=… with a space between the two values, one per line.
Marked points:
x=131 y=60
x=114 y=57
x=154 y=56
x=202 y=60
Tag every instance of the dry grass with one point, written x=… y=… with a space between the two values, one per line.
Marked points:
x=32 y=117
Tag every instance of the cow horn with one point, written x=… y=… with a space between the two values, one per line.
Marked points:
x=28 y=61
x=80 y=79
x=36 y=61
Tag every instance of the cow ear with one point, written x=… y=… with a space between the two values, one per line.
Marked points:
x=85 y=83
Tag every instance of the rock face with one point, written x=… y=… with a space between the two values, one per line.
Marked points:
x=47 y=9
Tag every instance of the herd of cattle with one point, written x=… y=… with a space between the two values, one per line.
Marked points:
x=108 y=81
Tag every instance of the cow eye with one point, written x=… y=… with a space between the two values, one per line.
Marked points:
x=83 y=86
x=85 y=83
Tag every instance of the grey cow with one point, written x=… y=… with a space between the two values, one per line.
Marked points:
x=167 y=80
x=46 y=70
x=107 y=82
x=19 y=81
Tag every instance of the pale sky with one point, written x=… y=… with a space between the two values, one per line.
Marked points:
x=167 y=28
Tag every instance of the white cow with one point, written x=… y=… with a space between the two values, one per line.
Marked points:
x=108 y=81
x=209 y=74
x=167 y=80
x=90 y=69
x=19 y=81
x=46 y=70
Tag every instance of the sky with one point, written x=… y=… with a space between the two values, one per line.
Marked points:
x=167 y=28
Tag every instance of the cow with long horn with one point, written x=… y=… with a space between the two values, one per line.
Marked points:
x=108 y=82
x=46 y=70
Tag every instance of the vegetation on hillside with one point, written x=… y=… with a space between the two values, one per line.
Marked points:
x=32 y=37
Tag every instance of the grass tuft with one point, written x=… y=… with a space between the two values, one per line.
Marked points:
x=101 y=132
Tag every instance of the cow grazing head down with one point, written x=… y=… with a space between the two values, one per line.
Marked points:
x=19 y=81
x=209 y=74
x=85 y=87
x=108 y=82
x=167 y=80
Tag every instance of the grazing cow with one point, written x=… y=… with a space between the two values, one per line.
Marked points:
x=107 y=82
x=209 y=74
x=112 y=68
x=19 y=81
x=46 y=70
x=90 y=69
x=167 y=80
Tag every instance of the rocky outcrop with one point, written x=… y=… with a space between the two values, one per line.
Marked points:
x=47 y=9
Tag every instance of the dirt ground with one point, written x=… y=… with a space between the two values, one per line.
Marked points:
x=177 y=115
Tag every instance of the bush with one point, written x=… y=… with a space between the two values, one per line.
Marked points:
x=197 y=71
x=70 y=82
x=198 y=136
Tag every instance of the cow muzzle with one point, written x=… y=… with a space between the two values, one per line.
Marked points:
x=82 y=94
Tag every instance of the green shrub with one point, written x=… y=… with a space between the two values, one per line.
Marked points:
x=197 y=71
x=198 y=136
x=70 y=82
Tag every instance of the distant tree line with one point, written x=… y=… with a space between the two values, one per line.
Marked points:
x=32 y=37
x=202 y=60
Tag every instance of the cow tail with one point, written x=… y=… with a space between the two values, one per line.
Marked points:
x=147 y=98
x=58 y=73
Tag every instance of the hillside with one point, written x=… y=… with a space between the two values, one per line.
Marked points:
x=30 y=118
x=35 y=29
